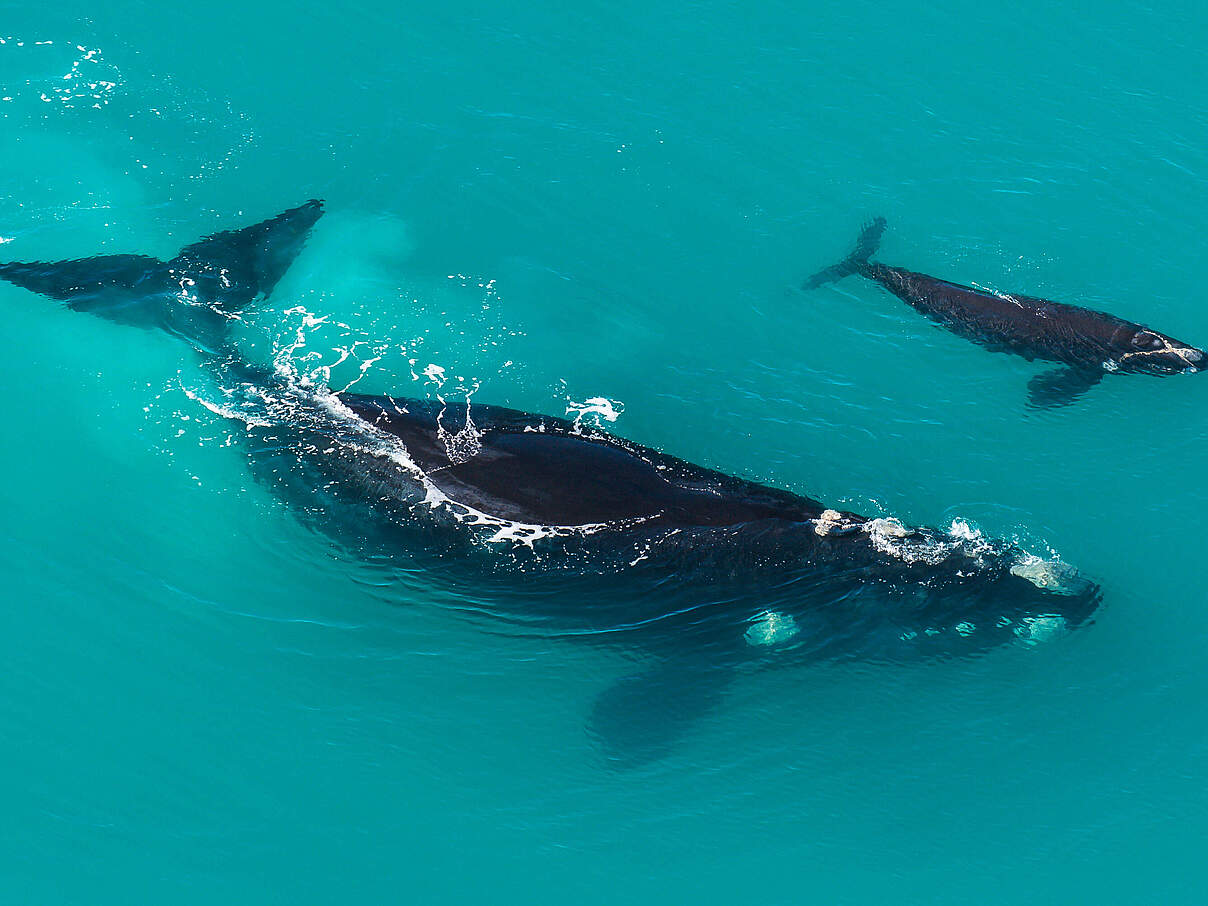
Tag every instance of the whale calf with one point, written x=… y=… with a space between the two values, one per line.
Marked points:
x=559 y=529
x=1087 y=343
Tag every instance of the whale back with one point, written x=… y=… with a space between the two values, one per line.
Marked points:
x=541 y=470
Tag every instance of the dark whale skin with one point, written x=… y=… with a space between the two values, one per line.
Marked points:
x=1086 y=342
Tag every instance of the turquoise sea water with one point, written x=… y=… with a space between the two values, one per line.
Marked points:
x=205 y=698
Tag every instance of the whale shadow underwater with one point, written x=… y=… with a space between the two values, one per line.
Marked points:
x=562 y=531
x=1086 y=343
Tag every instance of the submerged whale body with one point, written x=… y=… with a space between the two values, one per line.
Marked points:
x=569 y=531
x=1087 y=343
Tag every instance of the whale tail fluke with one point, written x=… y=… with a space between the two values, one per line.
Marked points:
x=234 y=267
x=195 y=295
x=866 y=247
x=76 y=281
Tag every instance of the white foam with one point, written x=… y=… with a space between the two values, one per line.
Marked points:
x=962 y=531
x=970 y=539
x=226 y=411
x=462 y=446
x=595 y=409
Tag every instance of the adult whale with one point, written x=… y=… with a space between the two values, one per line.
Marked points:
x=558 y=529
x=1087 y=343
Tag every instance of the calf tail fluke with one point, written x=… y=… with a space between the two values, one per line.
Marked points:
x=866 y=247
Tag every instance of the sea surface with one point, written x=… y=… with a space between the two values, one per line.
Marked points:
x=604 y=207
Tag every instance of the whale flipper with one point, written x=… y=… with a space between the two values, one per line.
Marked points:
x=642 y=716
x=866 y=246
x=1061 y=386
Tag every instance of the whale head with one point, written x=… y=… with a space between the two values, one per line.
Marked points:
x=1155 y=353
